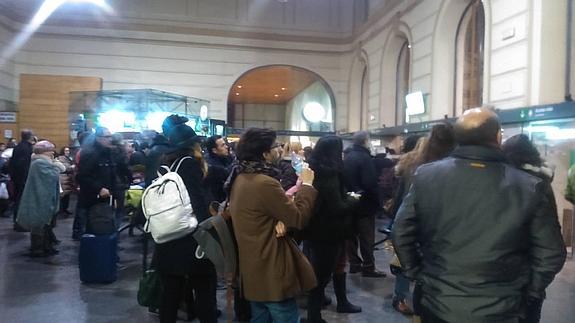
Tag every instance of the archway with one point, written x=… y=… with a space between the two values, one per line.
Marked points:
x=281 y=97
x=358 y=94
x=444 y=39
x=469 y=58
x=395 y=77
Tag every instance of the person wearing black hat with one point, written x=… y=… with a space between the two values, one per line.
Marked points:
x=175 y=260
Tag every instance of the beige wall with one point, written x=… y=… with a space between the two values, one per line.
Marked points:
x=260 y=115
x=8 y=78
x=524 y=61
x=204 y=70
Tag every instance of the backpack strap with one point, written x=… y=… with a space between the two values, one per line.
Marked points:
x=179 y=163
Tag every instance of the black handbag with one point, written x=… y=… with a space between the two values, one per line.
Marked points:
x=150 y=289
x=102 y=218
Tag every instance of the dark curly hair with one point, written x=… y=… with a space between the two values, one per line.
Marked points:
x=327 y=154
x=519 y=150
x=254 y=142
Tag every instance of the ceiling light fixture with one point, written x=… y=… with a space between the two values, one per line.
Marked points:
x=283 y=89
x=276 y=95
x=240 y=86
x=237 y=93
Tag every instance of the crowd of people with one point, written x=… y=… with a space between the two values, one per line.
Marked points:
x=473 y=221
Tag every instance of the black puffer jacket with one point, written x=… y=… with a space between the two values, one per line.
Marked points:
x=333 y=219
x=479 y=235
x=360 y=176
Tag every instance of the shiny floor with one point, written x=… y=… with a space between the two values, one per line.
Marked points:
x=49 y=289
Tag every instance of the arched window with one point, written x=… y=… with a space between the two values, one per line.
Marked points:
x=402 y=83
x=469 y=58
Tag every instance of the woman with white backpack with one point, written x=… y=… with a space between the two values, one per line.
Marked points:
x=175 y=258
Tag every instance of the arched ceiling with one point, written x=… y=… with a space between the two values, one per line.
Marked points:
x=270 y=85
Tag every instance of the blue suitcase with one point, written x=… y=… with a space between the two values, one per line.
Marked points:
x=98 y=257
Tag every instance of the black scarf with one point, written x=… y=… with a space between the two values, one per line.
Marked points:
x=250 y=167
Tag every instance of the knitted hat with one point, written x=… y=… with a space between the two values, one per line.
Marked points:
x=43 y=146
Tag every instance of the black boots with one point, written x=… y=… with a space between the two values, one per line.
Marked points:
x=343 y=304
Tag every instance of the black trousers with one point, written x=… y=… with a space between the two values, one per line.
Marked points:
x=365 y=239
x=65 y=202
x=204 y=288
x=324 y=257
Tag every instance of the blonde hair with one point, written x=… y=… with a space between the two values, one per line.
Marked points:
x=293 y=146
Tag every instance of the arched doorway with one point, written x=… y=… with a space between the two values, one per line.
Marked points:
x=469 y=58
x=281 y=97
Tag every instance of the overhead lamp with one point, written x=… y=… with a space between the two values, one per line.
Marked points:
x=240 y=86
x=204 y=112
x=283 y=89
x=313 y=112
x=237 y=93
x=276 y=95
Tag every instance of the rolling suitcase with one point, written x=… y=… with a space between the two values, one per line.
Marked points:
x=98 y=257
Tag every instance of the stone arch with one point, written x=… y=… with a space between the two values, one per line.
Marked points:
x=443 y=56
x=399 y=36
x=317 y=75
x=357 y=93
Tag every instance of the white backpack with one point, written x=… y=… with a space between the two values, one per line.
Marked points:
x=167 y=207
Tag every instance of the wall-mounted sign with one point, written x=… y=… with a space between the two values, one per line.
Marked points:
x=8 y=117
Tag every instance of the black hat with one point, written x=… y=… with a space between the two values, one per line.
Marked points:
x=182 y=136
x=172 y=121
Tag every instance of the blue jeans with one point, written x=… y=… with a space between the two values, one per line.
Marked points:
x=275 y=312
x=401 y=288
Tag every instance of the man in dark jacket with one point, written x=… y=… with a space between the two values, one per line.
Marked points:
x=157 y=150
x=477 y=234
x=19 y=166
x=219 y=161
x=360 y=177
x=102 y=172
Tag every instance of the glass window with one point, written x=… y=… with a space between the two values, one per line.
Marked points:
x=469 y=59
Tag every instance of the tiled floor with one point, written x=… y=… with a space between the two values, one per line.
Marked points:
x=49 y=289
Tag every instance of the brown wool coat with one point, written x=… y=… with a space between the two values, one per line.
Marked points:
x=271 y=269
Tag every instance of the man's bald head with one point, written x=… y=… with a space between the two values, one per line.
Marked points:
x=479 y=126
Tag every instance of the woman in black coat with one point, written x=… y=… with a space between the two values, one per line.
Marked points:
x=330 y=226
x=522 y=154
x=175 y=260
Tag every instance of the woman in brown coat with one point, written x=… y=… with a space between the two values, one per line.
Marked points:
x=272 y=269
x=66 y=179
